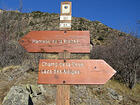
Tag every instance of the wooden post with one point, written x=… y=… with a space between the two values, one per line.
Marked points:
x=63 y=95
x=63 y=91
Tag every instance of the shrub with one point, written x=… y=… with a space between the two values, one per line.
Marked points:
x=12 y=54
x=123 y=54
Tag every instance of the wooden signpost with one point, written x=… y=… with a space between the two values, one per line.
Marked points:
x=64 y=71
x=52 y=71
x=57 y=41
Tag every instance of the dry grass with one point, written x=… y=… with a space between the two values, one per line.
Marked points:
x=9 y=68
x=122 y=88
x=130 y=96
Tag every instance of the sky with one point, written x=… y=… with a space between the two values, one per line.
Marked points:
x=117 y=14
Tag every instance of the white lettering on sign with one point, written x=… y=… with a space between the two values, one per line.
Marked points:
x=65 y=71
x=73 y=64
x=56 y=41
x=65 y=17
x=65 y=25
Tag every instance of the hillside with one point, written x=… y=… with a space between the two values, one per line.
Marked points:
x=19 y=69
x=25 y=22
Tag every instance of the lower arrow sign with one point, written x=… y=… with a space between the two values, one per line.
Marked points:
x=53 y=71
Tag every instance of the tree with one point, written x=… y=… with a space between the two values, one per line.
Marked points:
x=123 y=55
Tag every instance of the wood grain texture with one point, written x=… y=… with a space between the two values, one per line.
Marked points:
x=57 y=41
x=53 y=71
x=63 y=91
x=63 y=95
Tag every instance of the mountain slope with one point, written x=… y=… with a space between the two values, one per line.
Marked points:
x=20 y=68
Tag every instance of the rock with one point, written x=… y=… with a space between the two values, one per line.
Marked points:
x=30 y=95
x=42 y=95
x=81 y=95
x=33 y=90
x=17 y=96
x=113 y=94
x=15 y=72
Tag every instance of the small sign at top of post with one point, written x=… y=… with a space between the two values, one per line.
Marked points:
x=65 y=16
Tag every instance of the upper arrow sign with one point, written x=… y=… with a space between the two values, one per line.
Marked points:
x=57 y=41
x=74 y=72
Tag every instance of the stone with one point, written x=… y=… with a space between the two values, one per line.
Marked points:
x=81 y=95
x=30 y=95
x=17 y=96
x=113 y=94
x=41 y=95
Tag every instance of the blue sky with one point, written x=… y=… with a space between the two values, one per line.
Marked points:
x=118 y=14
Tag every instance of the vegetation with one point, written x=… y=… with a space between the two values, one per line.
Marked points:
x=132 y=96
x=119 y=49
x=123 y=55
